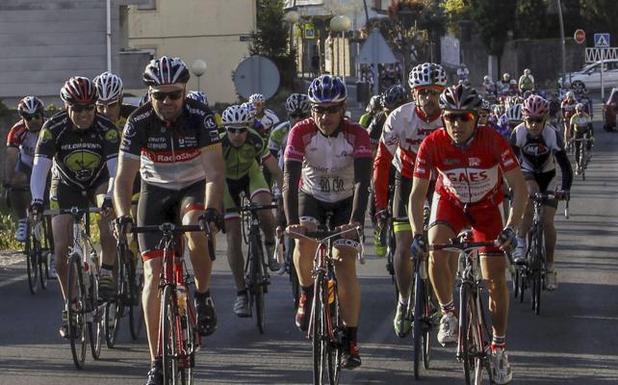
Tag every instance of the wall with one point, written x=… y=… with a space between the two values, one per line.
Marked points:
x=198 y=29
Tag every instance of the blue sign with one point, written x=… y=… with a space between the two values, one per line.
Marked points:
x=601 y=40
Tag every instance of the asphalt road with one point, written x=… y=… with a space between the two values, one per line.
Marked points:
x=573 y=341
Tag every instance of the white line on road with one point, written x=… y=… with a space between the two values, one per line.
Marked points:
x=11 y=281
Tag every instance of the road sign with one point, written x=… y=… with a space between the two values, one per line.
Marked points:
x=375 y=50
x=579 y=36
x=594 y=55
x=601 y=40
x=256 y=74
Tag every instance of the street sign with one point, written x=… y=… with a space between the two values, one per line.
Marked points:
x=601 y=40
x=375 y=50
x=579 y=36
x=256 y=74
x=594 y=55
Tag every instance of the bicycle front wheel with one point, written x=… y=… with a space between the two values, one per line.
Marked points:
x=418 y=334
x=258 y=279
x=169 y=336
x=77 y=310
x=470 y=349
x=96 y=327
x=32 y=260
x=326 y=353
x=136 y=283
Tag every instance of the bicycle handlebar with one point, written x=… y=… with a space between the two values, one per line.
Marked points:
x=251 y=207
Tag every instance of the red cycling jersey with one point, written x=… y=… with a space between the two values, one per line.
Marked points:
x=24 y=140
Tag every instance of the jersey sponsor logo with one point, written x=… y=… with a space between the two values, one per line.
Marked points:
x=169 y=157
x=536 y=149
x=111 y=136
x=46 y=135
x=474 y=162
x=129 y=130
x=209 y=122
x=467 y=176
x=83 y=164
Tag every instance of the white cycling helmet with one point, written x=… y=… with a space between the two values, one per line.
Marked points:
x=515 y=114
x=109 y=87
x=427 y=74
x=579 y=107
x=236 y=116
x=200 y=96
x=257 y=98
x=30 y=105
x=570 y=95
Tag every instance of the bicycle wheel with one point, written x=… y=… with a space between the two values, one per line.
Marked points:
x=258 y=279
x=115 y=308
x=190 y=343
x=32 y=260
x=77 y=310
x=289 y=256
x=538 y=281
x=418 y=332
x=169 y=336
x=96 y=327
x=471 y=349
x=136 y=283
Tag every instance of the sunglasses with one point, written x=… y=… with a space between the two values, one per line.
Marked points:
x=461 y=116
x=535 y=120
x=30 y=117
x=428 y=92
x=82 y=107
x=326 y=110
x=237 y=131
x=160 y=96
x=108 y=105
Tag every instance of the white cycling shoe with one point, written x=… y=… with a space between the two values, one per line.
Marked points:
x=449 y=329
x=500 y=367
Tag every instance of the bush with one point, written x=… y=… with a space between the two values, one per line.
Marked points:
x=8 y=226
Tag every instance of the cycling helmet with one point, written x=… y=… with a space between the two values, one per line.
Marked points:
x=527 y=71
x=30 y=105
x=79 y=90
x=394 y=97
x=579 y=107
x=460 y=98
x=427 y=74
x=236 y=116
x=375 y=103
x=327 y=89
x=200 y=96
x=506 y=76
x=298 y=104
x=486 y=79
x=485 y=105
x=166 y=70
x=250 y=108
x=535 y=107
x=256 y=98
x=514 y=114
x=570 y=95
x=109 y=87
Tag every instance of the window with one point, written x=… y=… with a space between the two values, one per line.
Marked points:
x=147 y=5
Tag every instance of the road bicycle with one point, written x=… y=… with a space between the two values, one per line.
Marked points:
x=38 y=250
x=582 y=158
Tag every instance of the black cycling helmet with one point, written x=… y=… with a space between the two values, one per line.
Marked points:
x=460 y=98
x=166 y=70
x=394 y=97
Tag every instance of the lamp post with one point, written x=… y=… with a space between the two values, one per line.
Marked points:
x=291 y=18
x=341 y=24
x=198 y=68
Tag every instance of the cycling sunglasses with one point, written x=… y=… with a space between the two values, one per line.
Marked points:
x=108 y=105
x=535 y=120
x=160 y=96
x=428 y=92
x=461 y=116
x=30 y=117
x=82 y=107
x=326 y=110
x=235 y=130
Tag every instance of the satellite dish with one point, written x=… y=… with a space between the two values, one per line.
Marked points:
x=256 y=74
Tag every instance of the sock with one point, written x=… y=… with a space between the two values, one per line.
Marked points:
x=448 y=308
x=498 y=342
x=403 y=300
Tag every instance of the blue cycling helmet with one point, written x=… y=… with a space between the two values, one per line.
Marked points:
x=200 y=96
x=327 y=89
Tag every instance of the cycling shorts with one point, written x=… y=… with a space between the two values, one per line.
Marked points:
x=158 y=205
x=401 y=196
x=65 y=196
x=543 y=179
x=252 y=183
x=309 y=206
x=485 y=220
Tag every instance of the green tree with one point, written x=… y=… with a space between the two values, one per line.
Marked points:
x=454 y=11
x=601 y=15
x=530 y=18
x=494 y=19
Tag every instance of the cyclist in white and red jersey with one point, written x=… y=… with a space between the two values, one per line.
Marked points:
x=265 y=116
x=539 y=146
x=471 y=163
x=174 y=143
x=403 y=131
x=327 y=168
x=567 y=107
x=21 y=142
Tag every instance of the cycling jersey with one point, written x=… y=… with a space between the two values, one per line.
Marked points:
x=568 y=108
x=278 y=137
x=24 y=140
x=170 y=152
x=404 y=130
x=580 y=122
x=467 y=174
x=365 y=119
x=536 y=153
x=268 y=121
x=239 y=160
x=79 y=155
x=376 y=126
x=327 y=162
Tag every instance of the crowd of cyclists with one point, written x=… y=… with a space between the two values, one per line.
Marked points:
x=449 y=149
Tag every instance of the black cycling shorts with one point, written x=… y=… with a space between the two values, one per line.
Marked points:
x=543 y=179
x=64 y=196
x=308 y=206
x=157 y=205
x=401 y=196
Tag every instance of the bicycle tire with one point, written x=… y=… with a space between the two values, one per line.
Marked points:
x=114 y=309
x=427 y=324
x=257 y=278
x=468 y=333
x=96 y=329
x=169 y=338
x=324 y=366
x=190 y=343
x=417 y=324
x=32 y=260
x=136 y=311
x=295 y=284
x=76 y=315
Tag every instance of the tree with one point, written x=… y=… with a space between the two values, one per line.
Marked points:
x=602 y=16
x=271 y=39
x=530 y=19
x=494 y=19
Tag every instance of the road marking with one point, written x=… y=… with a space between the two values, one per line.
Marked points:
x=13 y=280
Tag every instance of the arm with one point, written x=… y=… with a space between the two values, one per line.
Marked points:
x=291 y=177
x=271 y=164
x=111 y=168
x=40 y=169
x=420 y=186
x=126 y=172
x=517 y=183
x=566 y=170
x=362 y=179
x=214 y=167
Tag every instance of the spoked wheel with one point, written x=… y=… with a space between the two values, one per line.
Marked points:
x=515 y=277
x=77 y=310
x=472 y=353
x=115 y=308
x=32 y=260
x=259 y=282
x=418 y=332
x=169 y=337
x=136 y=312
x=46 y=249
x=96 y=327
x=326 y=352
x=289 y=252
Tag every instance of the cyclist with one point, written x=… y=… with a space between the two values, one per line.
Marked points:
x=403 y=132
x=373 y=107
x=331 y=158
x=175 y=145
x=485 y=116
x=201 y=97
x=244 y=151
x=392 y=98
x=470 y=162
x=21 y=142
x=111 y=92
x=298 y=108
x=82 y=145
x=537 y=144
x=265 y=116
x=580 y=126
x=567 y=106
x=511 y=119
x=489 y=87
x=526 y=82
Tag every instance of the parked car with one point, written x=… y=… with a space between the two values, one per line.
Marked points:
x=590 y=76
x=610 y=109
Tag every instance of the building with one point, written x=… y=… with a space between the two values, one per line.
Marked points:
x=217 y=32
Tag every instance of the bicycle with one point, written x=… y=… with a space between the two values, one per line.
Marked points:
x=581 y=155
x=83 y=308
x=257 y=278
x=178 y=336
x=325 y=324
x=129 y=280
x=38 y=249
x=532 y=273
x=474 y=334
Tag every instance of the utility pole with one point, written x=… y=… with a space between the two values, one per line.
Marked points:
x=559 y=3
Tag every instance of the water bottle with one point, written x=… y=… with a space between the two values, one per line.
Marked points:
x=331 y=291
x=181 y=296
x=462 y=264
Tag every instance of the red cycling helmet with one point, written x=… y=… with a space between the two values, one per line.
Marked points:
x=79 y=90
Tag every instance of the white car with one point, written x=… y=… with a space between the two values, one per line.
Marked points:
x=590 y=76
